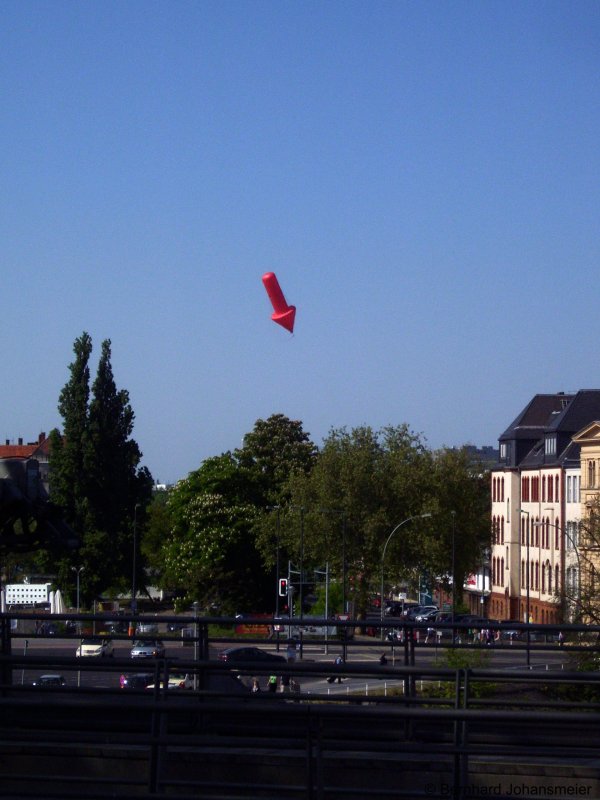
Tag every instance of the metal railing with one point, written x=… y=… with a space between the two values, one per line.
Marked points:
x=438 y=732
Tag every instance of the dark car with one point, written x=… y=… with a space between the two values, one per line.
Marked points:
x=50 y=680
x=136 y=680
x=116 y=626
x=249 y=655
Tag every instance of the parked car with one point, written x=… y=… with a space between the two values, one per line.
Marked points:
x=95 y=647
x=148 y=648
x=116 y=626
x=146 y=627
x=397 y=635
x=174 y=627
x=50 y=680
x=399 y=608
x=136 y=680
x=425 y=616
x=249 y=655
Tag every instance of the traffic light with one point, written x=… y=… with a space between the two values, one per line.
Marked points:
x=283 y=587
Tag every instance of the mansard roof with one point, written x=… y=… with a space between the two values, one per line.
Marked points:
x=537 y=416
x=552 y=418
x=583 y=409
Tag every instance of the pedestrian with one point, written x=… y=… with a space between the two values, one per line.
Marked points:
x=272 y=683
x=291 y=651
x=255 y=685
x=561 y=639
x=383 y=660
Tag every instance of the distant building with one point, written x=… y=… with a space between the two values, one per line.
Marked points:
x=486 y=456
x=39 y=450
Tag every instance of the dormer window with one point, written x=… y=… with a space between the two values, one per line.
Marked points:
x=550 y=448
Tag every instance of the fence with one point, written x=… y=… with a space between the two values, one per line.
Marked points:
x=447 y=732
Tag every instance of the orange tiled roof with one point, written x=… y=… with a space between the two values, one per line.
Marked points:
x=26 y=450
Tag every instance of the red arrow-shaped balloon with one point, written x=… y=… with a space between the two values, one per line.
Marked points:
x=282 y=313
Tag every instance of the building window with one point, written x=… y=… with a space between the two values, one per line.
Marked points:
x=557 y=487
x=550 y=445
x=550 y=491
x=569 y=489
x=543 y=489
x=556 y=577
x=591 y=474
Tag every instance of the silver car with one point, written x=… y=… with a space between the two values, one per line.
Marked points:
x=148 y=648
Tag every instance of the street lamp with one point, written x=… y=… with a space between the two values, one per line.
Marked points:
x=343 y=515
x=453 y=568
x=387 y=541
x=277 y=567
x=77 y=571
x=522 y=511
x=134 y=571
x=565 y=531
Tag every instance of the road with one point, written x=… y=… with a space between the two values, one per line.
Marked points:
x=100 y=673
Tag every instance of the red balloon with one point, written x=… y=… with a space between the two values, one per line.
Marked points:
x=283 y=314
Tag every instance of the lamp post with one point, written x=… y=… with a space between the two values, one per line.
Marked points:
x=343 y=515
x=77 y=571
x=277 y=564
x=574 y=547
x=522 y=511
x=134 y=571
x=387 y=541
x=453 y=568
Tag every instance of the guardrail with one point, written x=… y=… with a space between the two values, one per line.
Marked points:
x=435 y=731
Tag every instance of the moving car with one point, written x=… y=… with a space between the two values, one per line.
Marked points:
x=148 y=648
x=136 y=680
x=175 y=681
x=95 y=647
x=50 y=680
x=249 y=655
x=424 y=613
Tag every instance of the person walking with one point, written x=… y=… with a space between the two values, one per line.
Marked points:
x=272 y=683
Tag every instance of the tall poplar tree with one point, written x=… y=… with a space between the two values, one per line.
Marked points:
x=95 y=473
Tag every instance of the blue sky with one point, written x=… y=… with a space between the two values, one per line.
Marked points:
x=423 y=178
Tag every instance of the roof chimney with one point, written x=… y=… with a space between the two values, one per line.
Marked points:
x=20 y=441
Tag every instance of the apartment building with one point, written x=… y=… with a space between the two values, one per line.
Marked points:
x=537 y=501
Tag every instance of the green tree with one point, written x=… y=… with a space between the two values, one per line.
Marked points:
x=363 y=483
x=209 y=555
x=68 y=482
x=457 y=486
x=274 y=450
x=95 y=477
